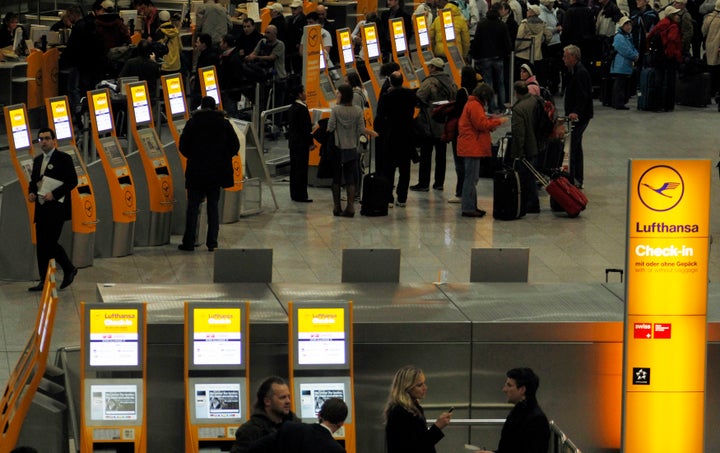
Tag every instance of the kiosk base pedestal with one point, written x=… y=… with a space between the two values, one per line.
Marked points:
x=17 y=255
x=122 y=239
x=229 y=206
x=83 y=249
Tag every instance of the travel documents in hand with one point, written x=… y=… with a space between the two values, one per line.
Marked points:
x=48 y=184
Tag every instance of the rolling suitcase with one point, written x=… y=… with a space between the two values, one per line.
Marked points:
x=694 y=90
x=489 y=165
x=507 y=195
x=375 y=192
x=564 y=193
x=648 y=98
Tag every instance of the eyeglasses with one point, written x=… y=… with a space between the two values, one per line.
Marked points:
x=41 y=139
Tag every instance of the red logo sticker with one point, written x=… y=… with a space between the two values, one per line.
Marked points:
x=642 y=331
x=662 y=330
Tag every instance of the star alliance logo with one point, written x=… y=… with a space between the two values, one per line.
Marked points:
x=641 y=376
x=661 y=188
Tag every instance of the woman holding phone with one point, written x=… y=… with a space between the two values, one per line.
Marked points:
x=406 y=428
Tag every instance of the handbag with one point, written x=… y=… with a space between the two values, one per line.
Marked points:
x=422 y=128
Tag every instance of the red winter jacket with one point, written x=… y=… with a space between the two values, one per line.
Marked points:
x=474 y=130
x=671 y=38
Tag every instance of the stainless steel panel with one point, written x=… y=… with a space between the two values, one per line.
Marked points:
x=499 y=264
x=178 y=176
x=160 y=225
x=83 y=249
x=370 y=265
x=17 y=254
x=242 y=265
x=229 y=206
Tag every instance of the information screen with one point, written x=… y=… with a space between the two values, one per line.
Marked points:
x=312 y=392
x=101 y=104
x=216 y=336
x=18 y=122
x=218 y=401
x=322 y=340
x=113 y=402
x=422 y=31
x=399 y=36
x=173 y=88
x=407 y=68
x=114 y=337
x=346 y=46
x=371 y=42
x=114 y=154
x=141 y=107
x=211 y=86
x=448 y=25
x=150 y=143
x=323 y=63
x=61 y=119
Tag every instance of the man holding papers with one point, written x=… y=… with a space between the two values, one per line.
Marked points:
x=53 y=177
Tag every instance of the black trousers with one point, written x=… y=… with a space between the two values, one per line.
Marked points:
x=426 y=151
x=47 y=236
x=195 y=197
x=299 y=172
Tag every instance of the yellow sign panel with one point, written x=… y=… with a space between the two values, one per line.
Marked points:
x=217 y=320
x=421 y=24
x=313 y=41
x=138 y=93
x=344 y=38
x=113 y=321
x=172 y=85
x=209 y=79
x=666 y=295
x=321 y=320
x=398 y=29
x=17 y=119
x=59 y=109
x=100 y=102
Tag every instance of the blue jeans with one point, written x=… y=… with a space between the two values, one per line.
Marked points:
x=469 y=191
x=493 y=72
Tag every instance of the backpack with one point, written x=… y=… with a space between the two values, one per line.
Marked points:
x=544 y=116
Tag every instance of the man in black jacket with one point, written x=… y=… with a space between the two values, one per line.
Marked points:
x=526 y=428
x=209 y=143
x=490 y=48
x=52 y=179
x=300 y=142
x=578 y=107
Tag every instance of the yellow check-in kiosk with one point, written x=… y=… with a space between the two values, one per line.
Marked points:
x=113 y=183
x=113 y=381
x=216 y=374
x=230 y=199
x=176 y=112
x=17 y=254
x=666 y=327
x=423 y=48
x=321 y=362
x=347 y=56
x=153 y=180
x=455 y=60
x=81 y=237
x=401 y=52
x=373 y=60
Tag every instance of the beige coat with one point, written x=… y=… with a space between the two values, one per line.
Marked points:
x=711 y=32
x=531 y=28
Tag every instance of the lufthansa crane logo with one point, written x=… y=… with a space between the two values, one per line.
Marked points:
x=661 y=188
x=313 y=37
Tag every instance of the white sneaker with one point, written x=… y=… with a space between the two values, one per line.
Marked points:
x=399 y=204
x=455 y=200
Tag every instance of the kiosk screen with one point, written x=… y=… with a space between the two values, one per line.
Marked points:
x=103 y=121
x=217 y=401
x=141 y=108
x=322 y=340
x=323 y=64
x=448 y=25
x=114 y=154
x=373 y=51
x=216 y=336
x=327 y=88
x=150 y=143
x=407 y=68
x=113 y=402
x=399 y=35
x=18 y=122
x=114 y=338
x=314 y=391
x=173 y=87
x=61 y=119
x=422 y=31
x=347 y=48
x=211 y=87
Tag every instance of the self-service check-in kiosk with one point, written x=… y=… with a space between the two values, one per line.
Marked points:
x=217 y=393
x=321 y=361
x=113 y=183
x=176 y=111
x=153 y=180
x=347 y=56
x=84 y=211
x=373 y=62
x=401 y=52
x=113 y=378
x=423 y=49
x=455 y=60
x=229 y=204
x=17 y=254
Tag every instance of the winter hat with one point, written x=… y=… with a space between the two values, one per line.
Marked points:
x=437 y=62
x=535 y=9
x=296 y=4
x=623 y=20
x=670 y=10
x=164 y=16
x=277 y=7
x=527 y=69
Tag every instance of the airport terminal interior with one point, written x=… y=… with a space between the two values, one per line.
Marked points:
x=567 y=283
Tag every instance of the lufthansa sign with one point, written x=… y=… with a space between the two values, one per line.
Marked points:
x=666 y=305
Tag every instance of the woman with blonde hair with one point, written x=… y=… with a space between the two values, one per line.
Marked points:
x=406 y=428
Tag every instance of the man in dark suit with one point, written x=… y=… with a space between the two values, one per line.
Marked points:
x=53 y=178
x=300 y=142
x=209 y=143
x=307 y=438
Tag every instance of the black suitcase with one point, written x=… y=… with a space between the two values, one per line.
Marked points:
x=507 y=195
x=648 y=99
x=375 y=194
x=694 y=90
x=489 y=165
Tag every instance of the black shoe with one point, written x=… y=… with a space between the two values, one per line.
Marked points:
x=438 y=187
x=186 y=248
x=68 y=279
x=211 y=249
x=622 y=107
x=307 y=200
x=478 y=213
x=38 y=287
x=419 y=188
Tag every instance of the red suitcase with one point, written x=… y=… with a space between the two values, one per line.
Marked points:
x=565 y=194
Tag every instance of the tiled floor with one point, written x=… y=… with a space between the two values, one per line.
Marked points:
x=308 y=241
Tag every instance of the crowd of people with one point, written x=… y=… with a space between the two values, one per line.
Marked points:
x=274 y=428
